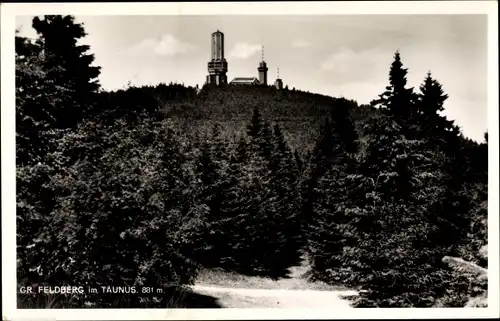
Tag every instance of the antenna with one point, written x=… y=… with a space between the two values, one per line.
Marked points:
x=278 y=72
x=262 y=52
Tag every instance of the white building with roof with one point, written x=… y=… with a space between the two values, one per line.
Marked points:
x=245 y=81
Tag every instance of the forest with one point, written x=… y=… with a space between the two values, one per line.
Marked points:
x=145 y=186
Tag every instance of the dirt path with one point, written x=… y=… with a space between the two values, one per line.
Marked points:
x=267 y=298
x=238 y=291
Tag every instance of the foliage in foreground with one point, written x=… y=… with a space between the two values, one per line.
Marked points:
x=382 y=221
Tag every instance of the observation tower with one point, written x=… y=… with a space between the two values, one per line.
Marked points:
x=217 y=66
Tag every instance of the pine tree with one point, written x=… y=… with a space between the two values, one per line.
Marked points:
x=330 y=191
x=430 y=104
x=209 y=176
x=238 y=211
x=58 y=37
x=37 y=138
x=220 y=191
x=256 y=124
x=38 y=101
x=334 y=211
x=401 y=235
x=283 y=184
x=298 y=160
x=398 y=99
x=337 y=138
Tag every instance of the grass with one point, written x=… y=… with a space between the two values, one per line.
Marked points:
x=297 y=279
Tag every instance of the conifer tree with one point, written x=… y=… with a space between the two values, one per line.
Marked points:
x=266 y=141
x=220 y=176
x=338 y=137
x=209 y=176
x=241 y=153
x=430 y=104
x=284 y=177
x=37 y=138
x=398 y=99
x=256 y=124
x=329 y=189
x=402 y=237
x=36 y=102
x=298 y=160
x=333 y=208
x=58 y=37
x=432 y=97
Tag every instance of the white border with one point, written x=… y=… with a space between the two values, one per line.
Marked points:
x=8 y=13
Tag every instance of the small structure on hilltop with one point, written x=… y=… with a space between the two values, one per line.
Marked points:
x=278 y=83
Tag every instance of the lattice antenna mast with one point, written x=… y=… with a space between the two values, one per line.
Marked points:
x=262 y=53
x=278 y=72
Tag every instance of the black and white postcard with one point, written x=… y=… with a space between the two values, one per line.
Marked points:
x=250 y=160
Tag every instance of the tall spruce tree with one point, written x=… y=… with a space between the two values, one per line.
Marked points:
x=430 y=104
x=219 y=175
x=284 y=176
x=332 y=207
x=400 y=237
x=447 y=143
x=337 y=137
x=36 y=103
x=398 y=99
x=58 y=38
x=298 y=160
x=256 y=124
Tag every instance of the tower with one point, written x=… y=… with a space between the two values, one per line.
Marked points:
x=278 y=83
x=262 y=70
x=217 y=66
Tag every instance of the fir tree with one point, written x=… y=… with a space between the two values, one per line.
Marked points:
x=332 y=215
x=256 y=124
x=401 y=235
x=329 y=191
x=298 y=160
x=338 y=138
x=430 y=104
x=58 y=37
x=36 y=102
x=284 y=185
x=398 y=99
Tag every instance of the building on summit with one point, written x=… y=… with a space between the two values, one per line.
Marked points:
x=278 y=83
x=262 y=70
x=262 y=80
x=217 y=67
x=245 y=81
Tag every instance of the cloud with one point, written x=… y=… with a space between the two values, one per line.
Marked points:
x=300 y=43
x=349 y=65
x=244 y=50
x=166 y=45
x=25 y=30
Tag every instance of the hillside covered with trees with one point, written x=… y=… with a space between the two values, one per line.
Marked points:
x=147 y=185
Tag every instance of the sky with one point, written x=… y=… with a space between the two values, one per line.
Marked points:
x=337 y=55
